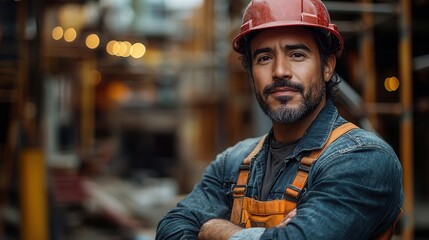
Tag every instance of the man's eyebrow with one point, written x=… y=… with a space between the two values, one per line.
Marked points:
x=288 y=47
x=261 y=50
x=298 y=46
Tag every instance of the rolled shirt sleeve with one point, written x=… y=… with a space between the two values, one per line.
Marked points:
x=206 y=201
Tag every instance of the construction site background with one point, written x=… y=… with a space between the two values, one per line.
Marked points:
x=110 y=110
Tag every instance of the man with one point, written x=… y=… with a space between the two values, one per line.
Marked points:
x=351 y=188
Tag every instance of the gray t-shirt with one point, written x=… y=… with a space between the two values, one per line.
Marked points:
x=277 y=158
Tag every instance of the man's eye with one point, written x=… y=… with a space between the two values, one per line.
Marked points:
x=297 y=55
x=263 y=59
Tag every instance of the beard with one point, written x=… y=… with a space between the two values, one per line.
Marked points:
x=287 y=114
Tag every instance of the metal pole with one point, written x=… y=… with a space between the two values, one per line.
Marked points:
x=31 y=170
x=87 y=106
x=221 y=48
x=406 y=129
x=367 y=51
x=33 y=189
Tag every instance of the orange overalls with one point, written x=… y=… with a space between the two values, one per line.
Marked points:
x=248 y=212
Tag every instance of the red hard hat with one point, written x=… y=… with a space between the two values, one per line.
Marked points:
x=262 y=14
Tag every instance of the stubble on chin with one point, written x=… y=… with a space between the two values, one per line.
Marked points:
x=285 y=113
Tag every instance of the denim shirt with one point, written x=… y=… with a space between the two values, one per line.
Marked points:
x=354 y=190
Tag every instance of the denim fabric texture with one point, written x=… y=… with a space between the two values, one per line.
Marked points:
x=354 y=190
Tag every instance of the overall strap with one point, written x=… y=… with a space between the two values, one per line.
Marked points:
x=240 y=188
x=294 y=190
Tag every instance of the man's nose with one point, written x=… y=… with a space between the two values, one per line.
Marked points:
x=281 y=69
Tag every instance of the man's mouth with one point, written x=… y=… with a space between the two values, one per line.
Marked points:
x=282 y=91
x=282 y=88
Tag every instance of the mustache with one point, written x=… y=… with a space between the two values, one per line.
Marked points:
x=282 y=83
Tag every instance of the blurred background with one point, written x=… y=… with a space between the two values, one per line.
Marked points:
x=111 y=109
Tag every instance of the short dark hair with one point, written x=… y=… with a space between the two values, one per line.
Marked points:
x=326 y=43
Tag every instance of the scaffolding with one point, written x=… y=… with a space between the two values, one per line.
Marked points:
x=404 y=109
x=366 y=105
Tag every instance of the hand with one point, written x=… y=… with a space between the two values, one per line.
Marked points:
x=218 y=229
x=288 y=218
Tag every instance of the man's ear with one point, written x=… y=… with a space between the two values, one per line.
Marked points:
x=329 y=67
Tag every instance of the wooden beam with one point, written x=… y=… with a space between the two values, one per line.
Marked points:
x=33 y=192
x=406 y=128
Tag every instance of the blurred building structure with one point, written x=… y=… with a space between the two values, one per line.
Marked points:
x=110 y=110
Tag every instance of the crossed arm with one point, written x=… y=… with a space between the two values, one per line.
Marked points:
x=221 y=229
x=353 y=192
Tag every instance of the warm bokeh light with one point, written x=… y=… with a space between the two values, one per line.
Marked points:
x=70 y=35
x=125 y=49
x=96 y=77
x=128 y=47
x=109 y=47
x=122 y=49
x=92 y=41
x=118 y=91
x=57 y=33
x=138 y=50
x=116 y=48
x=391 y=84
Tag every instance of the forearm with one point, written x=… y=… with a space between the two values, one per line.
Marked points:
x=218 y=229
x=176 y=228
